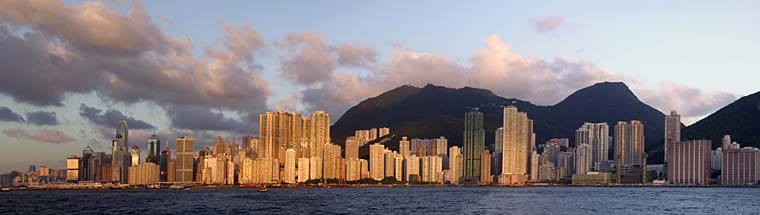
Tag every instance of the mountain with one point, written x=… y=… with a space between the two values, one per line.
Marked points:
x=433 y=111
x=740 y=119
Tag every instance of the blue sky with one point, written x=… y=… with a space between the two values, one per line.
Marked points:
x=698 y=53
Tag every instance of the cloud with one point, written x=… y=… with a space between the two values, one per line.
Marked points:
x=42 y=135
x=62 y=49
x=202 y=118
x=42 y=118
x=688 y=101
x=6 y=114
x=548 y=23
x=110 y=118
x=357 y=55
x=308 y=60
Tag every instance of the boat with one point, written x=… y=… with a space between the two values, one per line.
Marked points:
x=262 y=189
x=6 y=189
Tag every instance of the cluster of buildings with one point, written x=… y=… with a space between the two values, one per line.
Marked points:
x=292 y=148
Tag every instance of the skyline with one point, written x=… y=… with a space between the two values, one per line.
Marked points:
x=144 y=69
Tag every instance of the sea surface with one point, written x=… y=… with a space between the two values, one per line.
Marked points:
x=390 y=200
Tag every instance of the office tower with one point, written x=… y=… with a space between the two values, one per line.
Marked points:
x=689 y=162
x=383 y=131
x=499 y=142
x=166 y=157
x=303 y=169
x=583 y=159
x=404 y=147
x=518 y=136
x=598 y=136
x=121 y=158
x=740 y=166
x=474 y=142
x=290 y=166
x=672 y=130
x=331 y=160
x=85 y=165
x=412 y=169
x=455 y=155
x=398 y=167
x=390 y=163
x=352 y=147
x=353 y=169
x=154 y=150
x=135 y=154
x=184 y=162
x=72 y=168
x=376 y=161
x=143 y=174
x=485 y=167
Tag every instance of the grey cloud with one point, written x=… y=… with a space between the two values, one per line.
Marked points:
x=352 y=54
x=203 y=118
x=309 y=58
x=6 y=114
x=39 y=118
x=548 y=23
x=129 y=59
x=110 y=118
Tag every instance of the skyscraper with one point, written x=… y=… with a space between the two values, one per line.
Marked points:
x=485 y=167
x=320 y=132
x=376 y=161
x=404 y=147
x=583 y=159
x=121 y=158
x=598 y=136
x=166 y=158
x=135 y=155
x=184 y=163
x=290 y=166
x=352 y=147
x=474 y=141
x=154 y=150
x=455 y=174
x=518 y=135
x=672 y=130
x=499 y=142
x=629 y=146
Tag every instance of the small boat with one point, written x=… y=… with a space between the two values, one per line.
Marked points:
x=6 y=189
x=262 y=189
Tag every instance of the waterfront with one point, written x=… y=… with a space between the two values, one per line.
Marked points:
x=396 y=200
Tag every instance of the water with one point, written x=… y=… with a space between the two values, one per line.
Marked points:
x=399 y=200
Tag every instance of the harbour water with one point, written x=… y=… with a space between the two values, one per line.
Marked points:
x=389 y=200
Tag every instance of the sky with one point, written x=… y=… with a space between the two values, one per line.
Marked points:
x=71 y=69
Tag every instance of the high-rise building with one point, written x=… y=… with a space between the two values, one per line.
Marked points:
x=716 y=159
x=485 y=167
x=689 y=162
x=143 y=174
x=290 y=166
x=184 y=163
x=303 y=169
x=166 y=158
x=121 y=158
x=86 y=172
x=499 y=142
x=583 y=161
x=534 y=166
x=455 y=173
x=72 y=168
x=154 y=150
x=331 y=160
x=740 y=166
x=320 y=132
x=383 y=131
x=672 y=130
x=629 y=147
x=390 y=163
x=135 y=154
x=518 y=137
x=398 y=167
x=404 y=147
x=474 y=142
x=726 y=143
x=598 y=136
x=412 y=169
x=353 y=169
x=315 y=167
x=376 y=161
x=352 y=147
x=372 y=133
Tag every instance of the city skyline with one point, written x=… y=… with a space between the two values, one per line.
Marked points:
x=39 y=122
